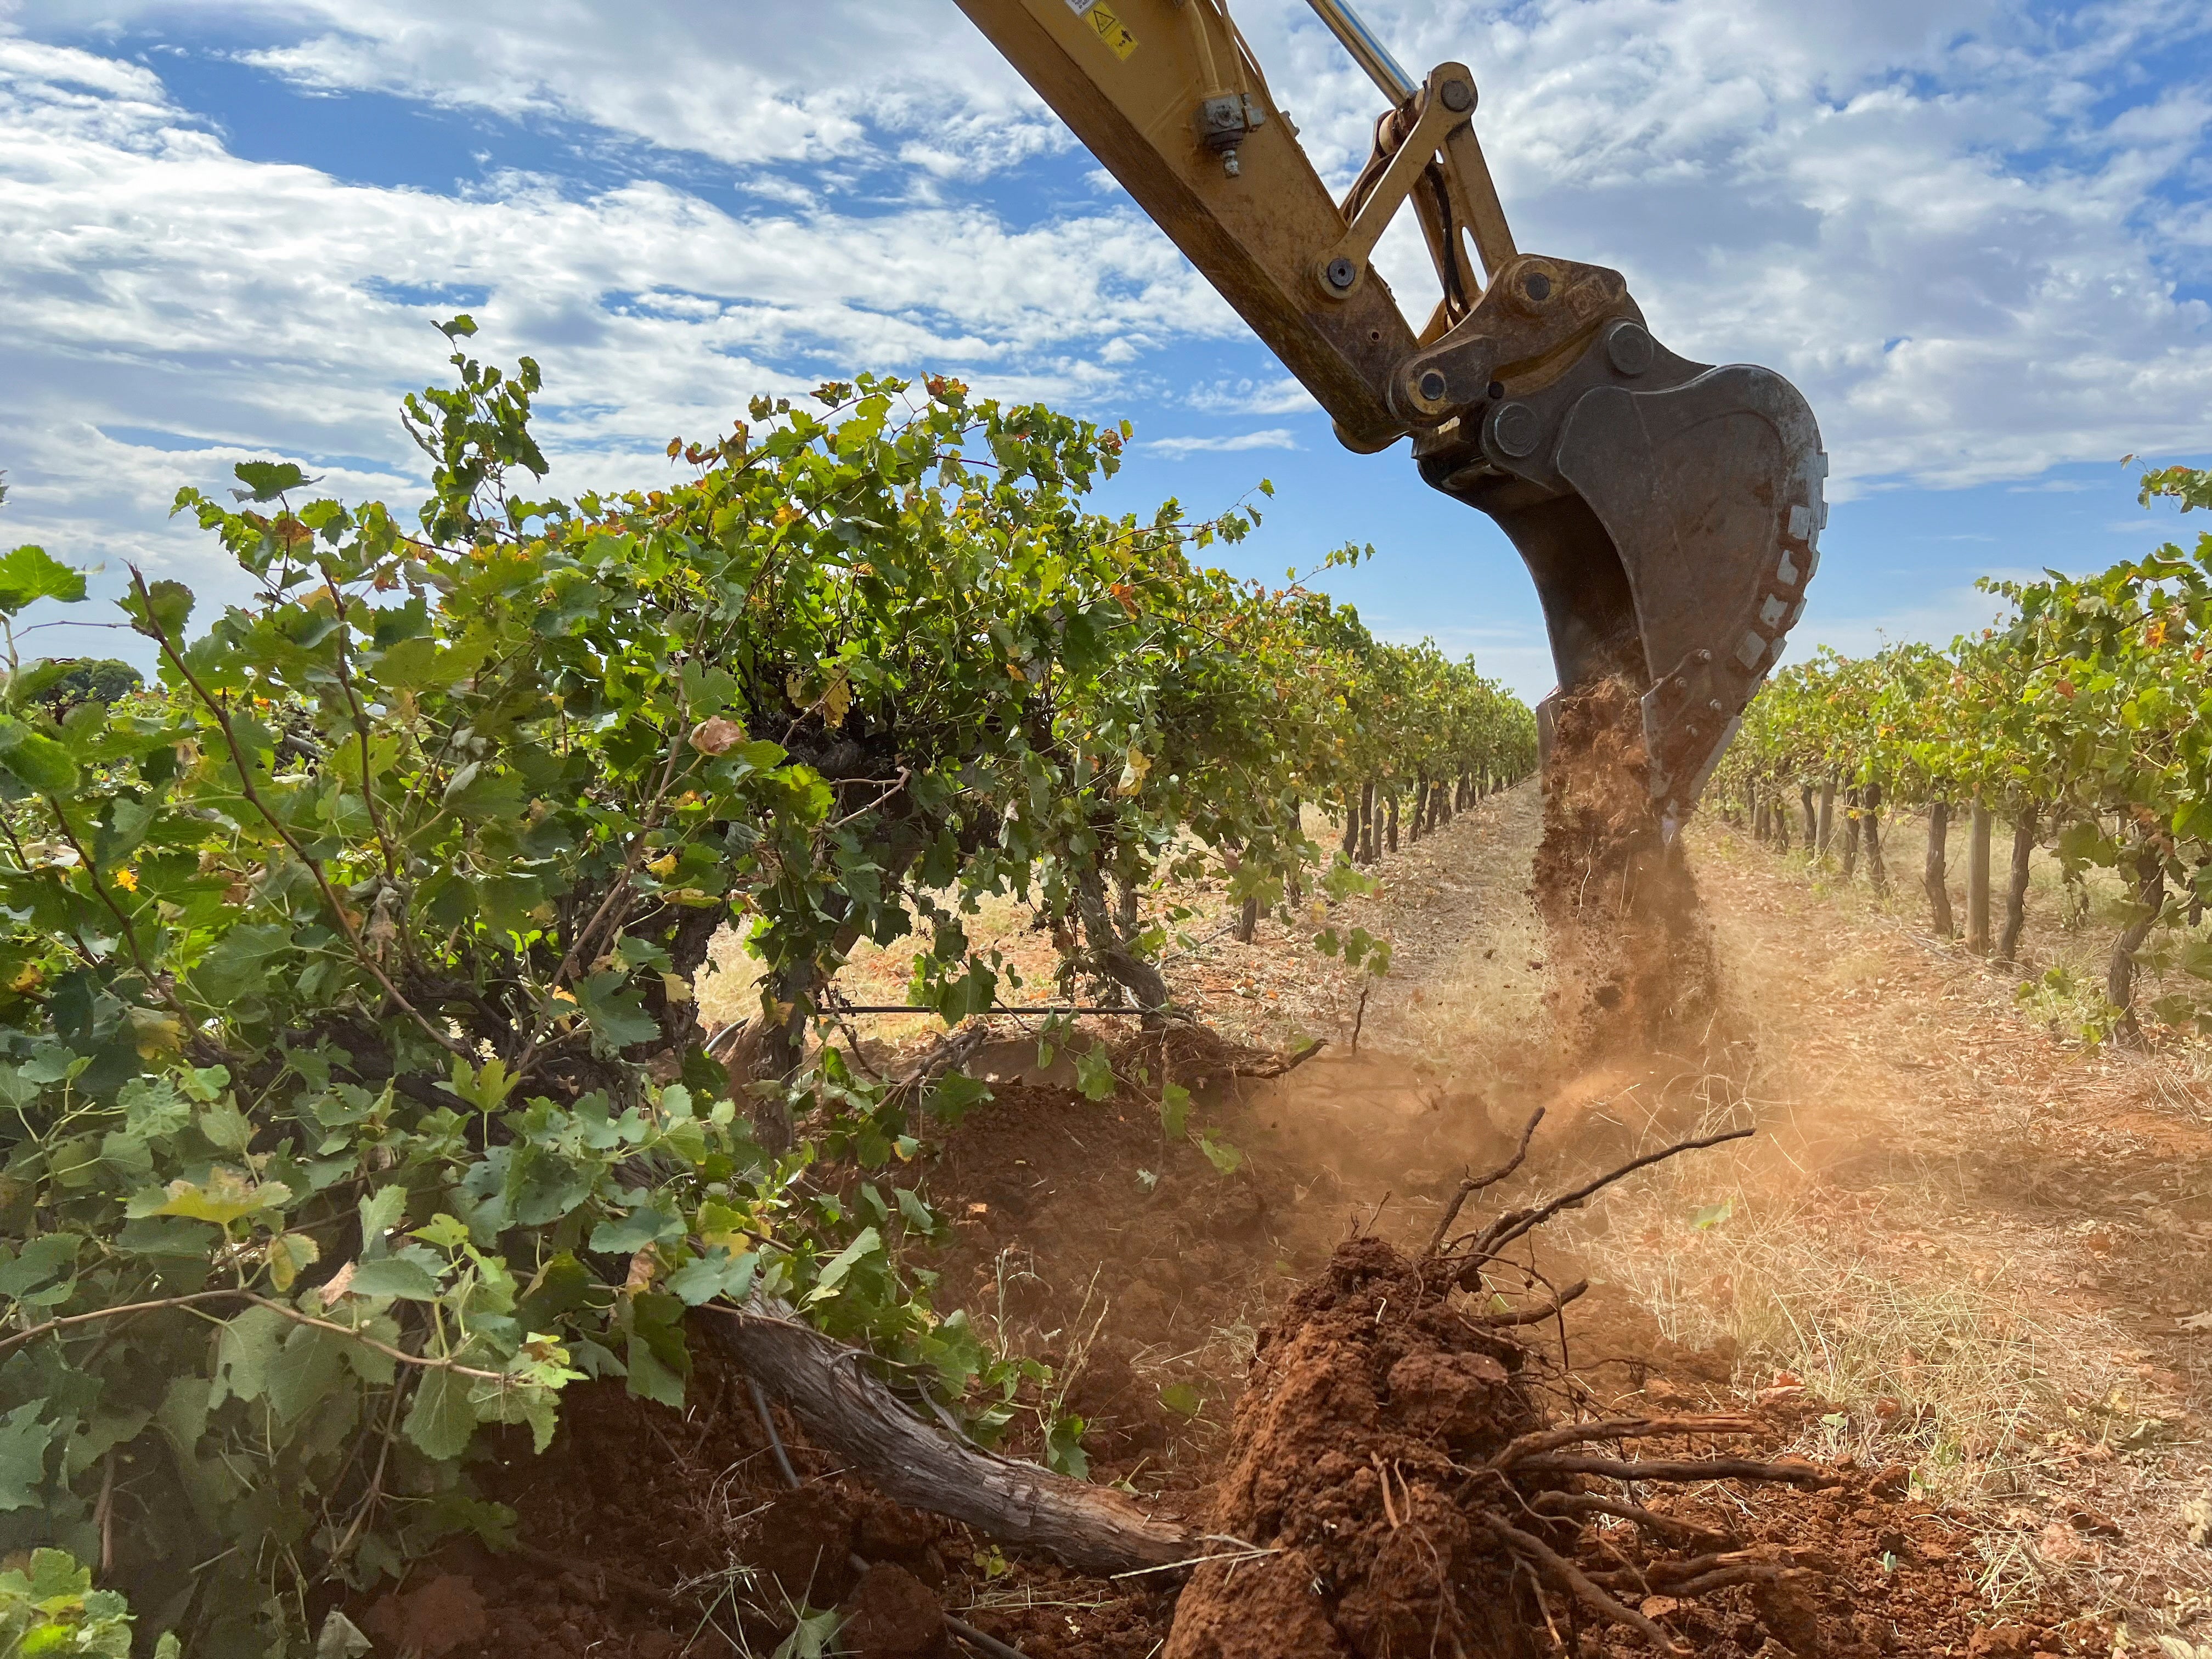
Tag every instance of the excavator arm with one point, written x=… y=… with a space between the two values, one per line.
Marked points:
x=1669 y=511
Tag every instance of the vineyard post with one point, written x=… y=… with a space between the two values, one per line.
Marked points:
x=1978 y=880
x=1933 y=874
x=1367 y=821
x=1870 y=832
x=1390 y=831
x=2023 y=846
x=1827 y=816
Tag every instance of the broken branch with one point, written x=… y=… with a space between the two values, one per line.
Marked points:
x=1475 y=1184
x=1515 y=1223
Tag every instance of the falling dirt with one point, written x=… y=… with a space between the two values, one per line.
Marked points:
x=1633 y=957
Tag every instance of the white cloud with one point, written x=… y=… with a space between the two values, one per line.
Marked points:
x=1940 y=616
x=745 y=84
x=1275 y=437
x=1959 y=224
x=1245 y=395
x=1919 y=210
x=154 y=281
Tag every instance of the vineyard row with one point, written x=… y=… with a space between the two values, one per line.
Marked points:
x=2083 y=717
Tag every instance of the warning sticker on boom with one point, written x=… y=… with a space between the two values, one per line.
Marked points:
x=1109 y=25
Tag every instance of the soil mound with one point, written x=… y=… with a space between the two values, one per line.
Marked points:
x=1632 y=951
x=1350 y=1464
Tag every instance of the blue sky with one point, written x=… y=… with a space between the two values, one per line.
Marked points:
x=1975 y=233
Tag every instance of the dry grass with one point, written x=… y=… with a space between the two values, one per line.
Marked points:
x=1917 y=1355
x=1909 y=1342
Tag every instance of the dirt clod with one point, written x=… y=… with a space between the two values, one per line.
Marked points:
x=2006 y=1641
x=892 y=1614
x=804 y=1541
x=434 y=1618
x=1453 y=1397
x=1371 y=1550
x=1789 y=1610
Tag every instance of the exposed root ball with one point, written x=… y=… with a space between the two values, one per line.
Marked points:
x=1633 y=955
x=1395 y=1488
x=1361 y=1402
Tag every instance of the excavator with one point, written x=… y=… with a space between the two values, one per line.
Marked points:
x=1669 y=511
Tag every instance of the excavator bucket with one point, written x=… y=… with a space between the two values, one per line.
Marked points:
x=1670 y=514
x=1669 y=510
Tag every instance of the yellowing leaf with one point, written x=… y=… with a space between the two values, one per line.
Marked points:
x=153 y=1034
x=289 y=1255
x=677 y=988
x=226 y=1195
x=717 y=736
x=663 y=866
x=1135 y=764
x=837 y=701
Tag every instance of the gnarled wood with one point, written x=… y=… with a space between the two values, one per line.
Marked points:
x=1934 y=874
x=851 y=1414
